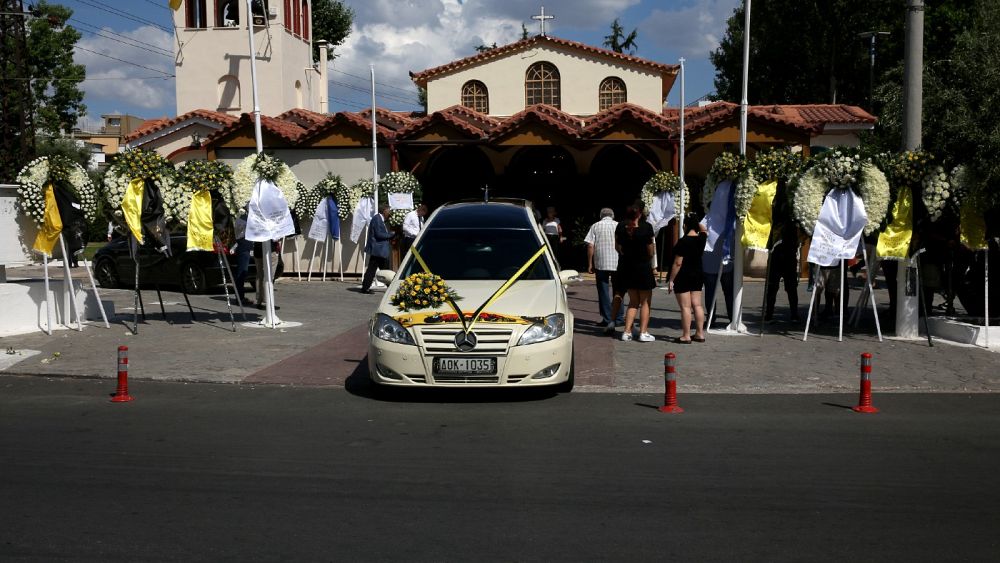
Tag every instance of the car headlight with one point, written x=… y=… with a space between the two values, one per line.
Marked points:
x=387 y=328
x=552 y=326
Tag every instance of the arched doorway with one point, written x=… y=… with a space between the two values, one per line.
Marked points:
x=456 y=173
x=617 y=175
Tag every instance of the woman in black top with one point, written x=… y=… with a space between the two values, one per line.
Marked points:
x=634 y=242
x=687 y=279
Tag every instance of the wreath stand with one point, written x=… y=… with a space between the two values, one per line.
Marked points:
x=226 y=270
x=821 y=285
x=138 y=305
x=71 y=305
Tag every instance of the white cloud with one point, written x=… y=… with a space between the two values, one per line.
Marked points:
x=114 y=81
x=693 y=30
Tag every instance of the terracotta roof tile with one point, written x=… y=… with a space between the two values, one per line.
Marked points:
x=154 y=125
x=358 y=120
x=609 y=117
x=668 y=71
x=563 y=122
x=467 y=120
x=285 y=130
x=392 y=120
x=302 y=117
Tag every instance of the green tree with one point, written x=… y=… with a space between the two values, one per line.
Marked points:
x=55 y=79
x=524 y=32
x=17 y=139
x=332 y=22
x=482 y=47
x=618 y=42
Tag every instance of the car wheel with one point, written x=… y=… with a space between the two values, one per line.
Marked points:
x=106 y=274
x=567 y=386
x=192 y=278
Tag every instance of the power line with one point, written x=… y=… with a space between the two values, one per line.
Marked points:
x=368 y=79
x=91 y=79
x=128 y=44
x=98 y=29
x=159 y=4
x=113 y=11
x=367 y=91
x=121 y=60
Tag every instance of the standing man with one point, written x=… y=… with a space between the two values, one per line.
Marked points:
x=412 y=224
x=602 y=261
x=377 y=247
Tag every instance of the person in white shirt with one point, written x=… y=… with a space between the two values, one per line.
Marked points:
x=412 y=224
x=602 y=261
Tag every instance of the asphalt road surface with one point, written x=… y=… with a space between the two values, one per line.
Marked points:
x=203 y=472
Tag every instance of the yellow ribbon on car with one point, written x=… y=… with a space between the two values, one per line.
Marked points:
x=200 y=228
x=467 y=327
x=436 y=317
x=52 y=224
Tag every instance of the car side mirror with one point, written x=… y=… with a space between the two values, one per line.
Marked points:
x=570 y=276
x=385 y=276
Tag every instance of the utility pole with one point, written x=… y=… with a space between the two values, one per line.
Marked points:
x=907 y=314
x=17 y=130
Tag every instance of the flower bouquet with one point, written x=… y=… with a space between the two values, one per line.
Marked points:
x=422 y=291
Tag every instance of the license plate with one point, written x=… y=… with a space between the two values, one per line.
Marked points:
x=465 y=365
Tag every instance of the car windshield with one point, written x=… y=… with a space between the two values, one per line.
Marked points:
x=479 y=254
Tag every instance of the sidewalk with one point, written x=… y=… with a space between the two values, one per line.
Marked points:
x=330 y=345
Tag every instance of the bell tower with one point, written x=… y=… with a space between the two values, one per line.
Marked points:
x=212 y=65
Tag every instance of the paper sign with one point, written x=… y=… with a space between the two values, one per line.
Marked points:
x=401 y=201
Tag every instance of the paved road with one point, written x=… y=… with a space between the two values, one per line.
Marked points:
x=199 y=472
x=329 y=347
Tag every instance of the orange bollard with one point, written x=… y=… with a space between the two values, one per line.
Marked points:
x=670 y=377
x=121 y=395
x=865 y=399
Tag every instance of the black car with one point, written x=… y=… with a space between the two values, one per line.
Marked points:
x=195 y=272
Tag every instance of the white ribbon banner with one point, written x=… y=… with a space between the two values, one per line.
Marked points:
x=362 y=214
x=268 y=217
x=321 y=223
x=842 y=219
x=662 y=211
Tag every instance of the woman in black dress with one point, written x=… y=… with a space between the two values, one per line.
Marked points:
x=634 y=242
x=687 y=279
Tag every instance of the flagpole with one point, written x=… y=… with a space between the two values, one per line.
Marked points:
x=680 y=216
x=266 y=252
x=736 y=323
x=374 y=140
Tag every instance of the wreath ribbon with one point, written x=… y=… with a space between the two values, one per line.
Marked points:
x=467 y=327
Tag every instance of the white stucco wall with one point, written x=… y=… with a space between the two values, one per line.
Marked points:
x=580 y=74
x=206 y=55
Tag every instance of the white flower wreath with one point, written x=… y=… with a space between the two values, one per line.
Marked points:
x=347 y=199
x=159 y=169
x=746 y=189
x=195 y=175
x=662 y=181
x=309 y=198
x=811 y=188
x=246 y=178
x=936 y=192
x=959 y=182
x=400 y=182
x=38 y=173
x=728 y=166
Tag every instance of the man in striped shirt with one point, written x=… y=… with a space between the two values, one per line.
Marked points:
x=602 y=261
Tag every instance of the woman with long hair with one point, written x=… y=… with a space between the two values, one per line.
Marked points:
x=634 y=242
x=687 y=279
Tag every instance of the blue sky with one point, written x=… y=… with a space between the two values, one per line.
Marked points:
x=127 y=45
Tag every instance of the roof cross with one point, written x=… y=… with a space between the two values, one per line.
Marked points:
x=541 y=18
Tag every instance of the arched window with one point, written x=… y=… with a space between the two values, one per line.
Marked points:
x=229 y=93
x=305 y=20
x=194 y=14
x=296 y=18
x=298 y=95
x=227 y=13
x=541 y=85
x=476 y=96
x=610 y=93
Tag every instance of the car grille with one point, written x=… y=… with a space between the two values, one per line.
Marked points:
x=439 y=378
x=492 y=341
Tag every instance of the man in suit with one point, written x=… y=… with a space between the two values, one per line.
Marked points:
x=377 y=247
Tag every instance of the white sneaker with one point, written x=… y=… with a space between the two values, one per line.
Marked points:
x=626 y=336
x=646 y=337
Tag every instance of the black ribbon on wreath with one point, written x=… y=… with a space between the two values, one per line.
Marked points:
x=71 y=213
x=154 y=222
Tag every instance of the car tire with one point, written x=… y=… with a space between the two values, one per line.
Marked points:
x=192 y=278
x=107 y=274
x=567 y=386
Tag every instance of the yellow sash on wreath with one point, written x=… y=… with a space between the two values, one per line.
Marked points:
x=132 y=207
x=972 y=226
x=894 y=242
x=757 y=224
x=200 y=226
x=52 y=225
